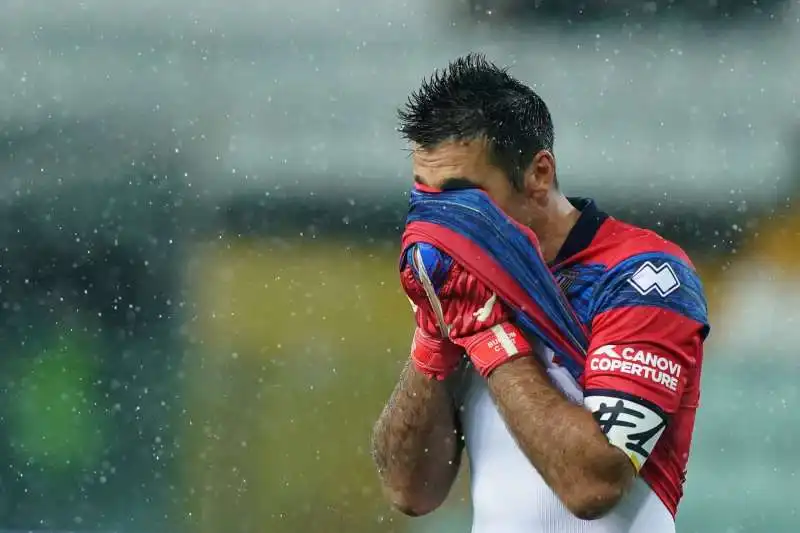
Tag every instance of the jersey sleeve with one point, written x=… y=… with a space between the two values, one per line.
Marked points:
x=649 y=323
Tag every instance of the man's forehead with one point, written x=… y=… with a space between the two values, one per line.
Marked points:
x=450 y=151
x=451 y=159
x=449 y=156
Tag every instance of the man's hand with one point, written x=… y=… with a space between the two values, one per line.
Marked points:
x=561 y=440
x=425 y=272
x=456 y=314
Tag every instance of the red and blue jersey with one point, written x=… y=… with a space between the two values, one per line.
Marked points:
x=643 y=304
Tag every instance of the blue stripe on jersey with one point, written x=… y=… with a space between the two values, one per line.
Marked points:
x=655 y=279
x=579 y=281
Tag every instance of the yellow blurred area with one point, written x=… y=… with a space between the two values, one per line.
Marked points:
x=297 y=349
x=775 y=242
x=778 y=241
x=321 y=292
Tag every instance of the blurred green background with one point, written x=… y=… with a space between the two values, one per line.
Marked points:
x=200 y=208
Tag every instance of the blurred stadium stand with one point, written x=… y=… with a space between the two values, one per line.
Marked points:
x=90 y=265
x=200 y=207
x=565 y=13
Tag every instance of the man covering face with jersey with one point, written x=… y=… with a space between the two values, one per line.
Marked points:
x=598 y=442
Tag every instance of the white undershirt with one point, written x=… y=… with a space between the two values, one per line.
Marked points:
x=509 y=495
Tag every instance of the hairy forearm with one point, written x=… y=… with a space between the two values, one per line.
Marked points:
x=416 y=445
x=561 y=439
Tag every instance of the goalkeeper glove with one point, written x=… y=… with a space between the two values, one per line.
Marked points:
x=456 y=313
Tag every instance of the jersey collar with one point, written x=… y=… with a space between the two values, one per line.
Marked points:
x=584 y=230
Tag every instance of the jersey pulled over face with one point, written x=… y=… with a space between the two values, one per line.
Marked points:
x=643 y=304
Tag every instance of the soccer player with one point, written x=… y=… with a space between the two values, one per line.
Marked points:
x=611 y=458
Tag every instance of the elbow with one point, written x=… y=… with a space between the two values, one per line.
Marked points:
x=601 y=489
x=406 y=494
x=593 y=501
x=409 y=504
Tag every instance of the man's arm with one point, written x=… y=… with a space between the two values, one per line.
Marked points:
x=644 y=345
x=416 y=444
x=561 y=439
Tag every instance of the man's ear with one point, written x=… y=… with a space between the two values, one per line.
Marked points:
x=540 y=176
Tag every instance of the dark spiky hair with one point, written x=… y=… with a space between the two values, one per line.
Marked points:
x=475 y=99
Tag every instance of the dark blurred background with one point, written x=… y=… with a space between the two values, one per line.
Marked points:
x=200 y=205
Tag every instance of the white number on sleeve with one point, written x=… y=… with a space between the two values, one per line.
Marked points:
x=631 y=425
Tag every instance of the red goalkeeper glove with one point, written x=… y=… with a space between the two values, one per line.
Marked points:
x=432 y=354
x=460 y=314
